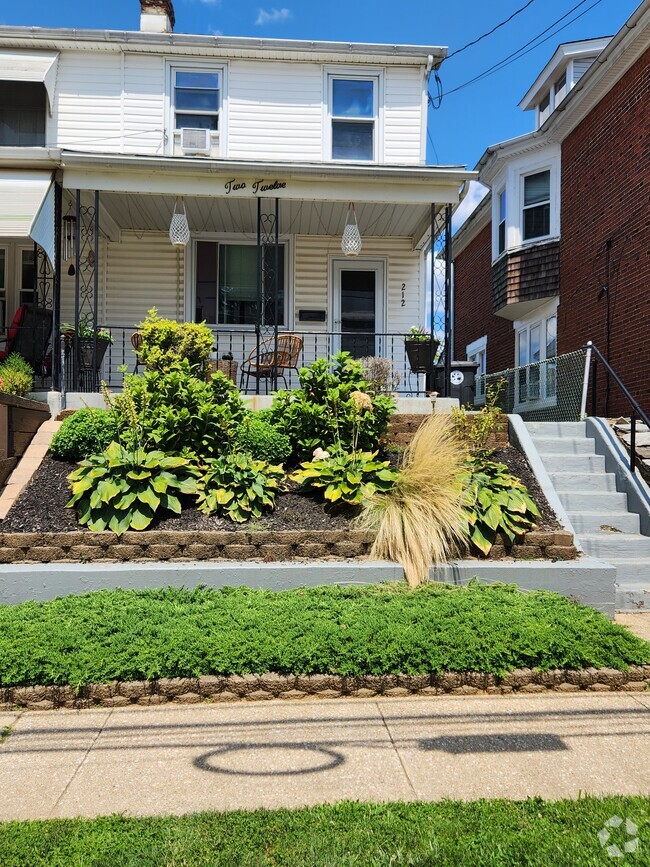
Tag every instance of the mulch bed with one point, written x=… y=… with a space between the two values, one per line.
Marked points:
x=41 y=506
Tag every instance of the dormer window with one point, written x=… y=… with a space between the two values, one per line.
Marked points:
x=544 y=108
x=353 y=109
x=560 y=88
x=537 y=205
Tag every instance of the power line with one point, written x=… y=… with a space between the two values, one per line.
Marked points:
x=520 y=52
x=489 y=32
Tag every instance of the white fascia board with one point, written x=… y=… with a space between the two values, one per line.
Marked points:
x=224 y=46
x=564 y=53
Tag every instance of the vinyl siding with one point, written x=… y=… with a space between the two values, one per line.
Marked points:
x=144 y=104
x=275 y=110
x=403 y=115
x=88 y=107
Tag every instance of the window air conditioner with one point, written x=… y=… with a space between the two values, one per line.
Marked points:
x=196 y=141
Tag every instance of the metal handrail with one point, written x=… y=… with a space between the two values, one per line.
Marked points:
x=592 y=350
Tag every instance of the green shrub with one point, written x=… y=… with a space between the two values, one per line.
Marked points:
x=87 y=432
x=122 y=490
x=238 y=486
x=262 y=440
x=494 y=501
x=347 y=477
x=176 y=411
x=332 y=409
x=475 y=431
x=16 y=376
x=166 y=342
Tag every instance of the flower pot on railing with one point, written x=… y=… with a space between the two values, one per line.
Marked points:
x=91 y=353
x=420 y=353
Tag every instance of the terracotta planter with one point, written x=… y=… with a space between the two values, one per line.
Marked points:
x=419 y=354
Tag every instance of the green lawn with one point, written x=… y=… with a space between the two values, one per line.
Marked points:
x=133 y=635
x=485 y=833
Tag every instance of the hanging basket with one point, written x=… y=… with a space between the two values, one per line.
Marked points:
x=351 y=241
x=179 y=230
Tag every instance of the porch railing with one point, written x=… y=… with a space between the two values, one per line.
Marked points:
x=240 y=343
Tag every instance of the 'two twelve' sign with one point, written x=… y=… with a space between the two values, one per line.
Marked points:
x=256 y=187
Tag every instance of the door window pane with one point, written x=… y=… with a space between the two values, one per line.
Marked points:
x=352 y=141
x=551 y=337
x=206 y=282
x=358 y=312
x=352 y=98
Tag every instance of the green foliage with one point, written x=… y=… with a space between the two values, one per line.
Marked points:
x=381 y=629
x=476 y=430
x=347 y=477
x=238 y=486
x=494 y=502
x=262 y=440
x=87 y=432
x=176 y=411
x=496 y=833
x=166 y=342
x=326 y=410
x=418 y=334
x=122 y=490
x=16 y=375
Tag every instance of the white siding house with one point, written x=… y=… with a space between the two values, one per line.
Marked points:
x=128 y=127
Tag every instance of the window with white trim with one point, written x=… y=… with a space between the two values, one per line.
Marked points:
x=196 y=99
x=544 y=107
x=477 y=352
x=501 y=229
x=536 y=379
x=226 y=284
x=536 y=212
x=353 y=117
x=560 y=89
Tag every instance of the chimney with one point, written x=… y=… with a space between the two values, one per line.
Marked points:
x=157 y=16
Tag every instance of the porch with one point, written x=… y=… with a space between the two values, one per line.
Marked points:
x=262 y=258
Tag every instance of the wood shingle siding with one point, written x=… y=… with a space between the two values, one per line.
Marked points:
x=526 y=275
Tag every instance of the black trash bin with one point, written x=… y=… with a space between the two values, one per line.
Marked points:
x=463 y=376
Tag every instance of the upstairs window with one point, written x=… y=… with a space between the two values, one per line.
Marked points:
x=537 y=205
x=22 y=114
x=544 y=107
x=197 y=100
x=353 y=111
x=501 y=237
x=560 y=89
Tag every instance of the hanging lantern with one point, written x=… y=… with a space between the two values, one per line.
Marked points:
x=179 y=230
x=69 y=231
x=351 y=241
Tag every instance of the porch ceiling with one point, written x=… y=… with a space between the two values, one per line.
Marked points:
x=144 y=212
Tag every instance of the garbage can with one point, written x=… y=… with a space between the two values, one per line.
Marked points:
x=463 y=376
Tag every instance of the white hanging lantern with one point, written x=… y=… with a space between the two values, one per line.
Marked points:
x=179 y=230
x=351 y=241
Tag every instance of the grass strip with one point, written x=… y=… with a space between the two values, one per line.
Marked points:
x=383 y=629
x=486 y=833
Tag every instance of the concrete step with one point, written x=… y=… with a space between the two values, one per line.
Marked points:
x=570 y=481
x=569 y=446
x=574 y=463
x=591 y=522
x=609 y=502
x=633 y=570
x=556 y=428
x=615 y=546
x=632 y=588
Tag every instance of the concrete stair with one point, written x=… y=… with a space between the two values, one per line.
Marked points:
x=599 y=513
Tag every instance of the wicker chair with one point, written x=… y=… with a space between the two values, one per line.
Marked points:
x=263 y=362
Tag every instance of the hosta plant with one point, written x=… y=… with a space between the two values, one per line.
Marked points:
x=122 y=489
x=494 y=502
x=238 y=486
x=348 y=477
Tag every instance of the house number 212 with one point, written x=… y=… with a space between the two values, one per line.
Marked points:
x=403 y=295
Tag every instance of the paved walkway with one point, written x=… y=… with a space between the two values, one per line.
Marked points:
x=272 y=754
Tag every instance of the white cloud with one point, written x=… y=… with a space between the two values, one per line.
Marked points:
x=472 y=200
x=272 y=16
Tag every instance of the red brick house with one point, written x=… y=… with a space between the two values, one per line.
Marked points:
x=558 y=252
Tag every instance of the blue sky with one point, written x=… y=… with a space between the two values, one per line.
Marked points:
x=466 y=123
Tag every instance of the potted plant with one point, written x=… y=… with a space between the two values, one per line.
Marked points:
x=419 y=349
x=91 y=342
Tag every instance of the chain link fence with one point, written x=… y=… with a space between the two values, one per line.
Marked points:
x=549 y=390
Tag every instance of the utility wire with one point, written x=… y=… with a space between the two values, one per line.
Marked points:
x=489 y=32
x=520 y=52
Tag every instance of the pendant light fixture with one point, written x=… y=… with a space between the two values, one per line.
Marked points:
x=179 y=230
x=351 y=241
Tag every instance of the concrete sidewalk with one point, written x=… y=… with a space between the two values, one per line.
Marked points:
x=277 y=754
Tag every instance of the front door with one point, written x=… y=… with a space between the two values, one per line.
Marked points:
x=358 y=306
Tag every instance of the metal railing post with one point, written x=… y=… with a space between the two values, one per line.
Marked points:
x=594 y=388
x=585 y=382
x=632 y=441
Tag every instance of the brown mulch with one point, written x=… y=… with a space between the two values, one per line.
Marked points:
x=41 y=506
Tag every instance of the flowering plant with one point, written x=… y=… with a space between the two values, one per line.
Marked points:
x=87 y=331
x=419 y=334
